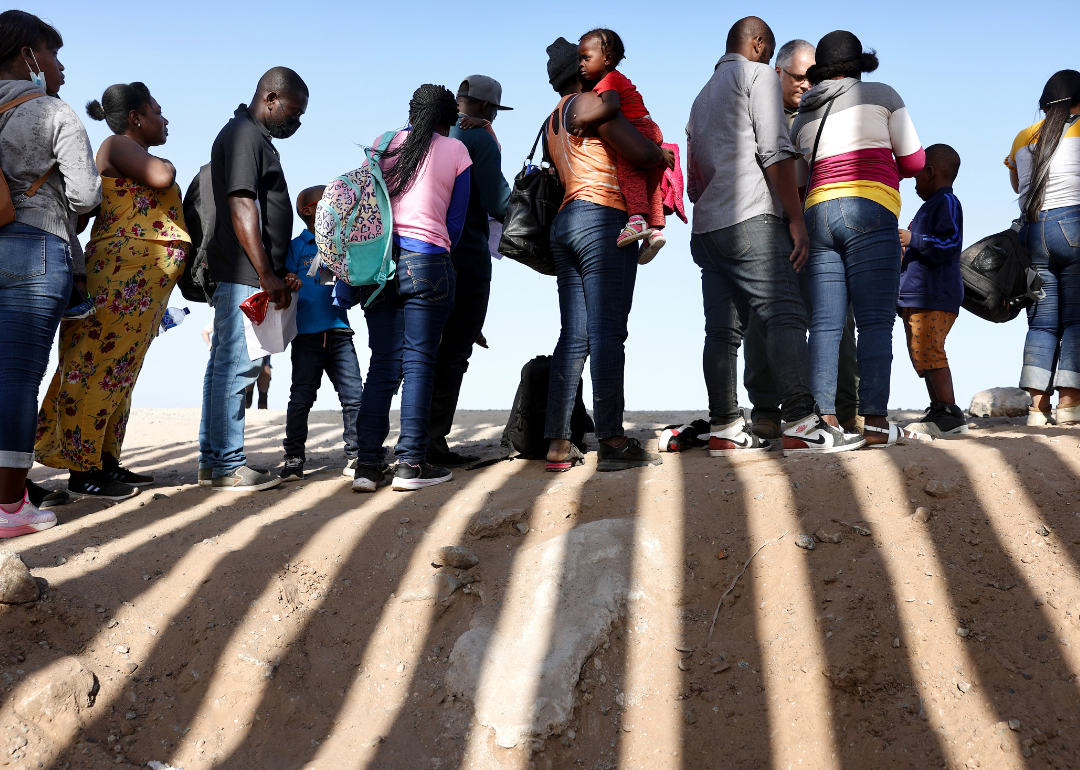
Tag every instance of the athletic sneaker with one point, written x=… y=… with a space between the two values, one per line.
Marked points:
x=735 y=440
x=294 y=468
x=26 y=520
x=653 y=244
x=630 y=455
x=43 y=498
x=409 y=477
x=100 y=484
x=1039 y=419
x=368 y=478
x=245 y=479
x=350 y=467
x=635 y=230
x=812 y=434
x=451 y=459
x=206 y=477
x=949 y=420
x=119 y=473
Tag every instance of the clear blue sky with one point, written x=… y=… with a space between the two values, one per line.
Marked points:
x=970 y=73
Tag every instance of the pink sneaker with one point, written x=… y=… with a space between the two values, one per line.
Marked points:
x=635 y=230
x=653 y=244
x=26 y=520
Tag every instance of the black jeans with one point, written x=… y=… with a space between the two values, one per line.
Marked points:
x=462 y=329
x=313 y=354
x=746 y=268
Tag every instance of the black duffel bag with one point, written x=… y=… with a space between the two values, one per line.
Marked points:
x=999 y=280
x=534 y=202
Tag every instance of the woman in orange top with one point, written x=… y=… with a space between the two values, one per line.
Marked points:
x=595 y=277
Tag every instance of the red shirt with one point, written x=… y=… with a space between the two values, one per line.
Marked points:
x=633 y=107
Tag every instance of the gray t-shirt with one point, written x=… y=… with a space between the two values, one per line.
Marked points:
x=737 y=129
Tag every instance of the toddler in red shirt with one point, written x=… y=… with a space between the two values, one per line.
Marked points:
x=600 y=52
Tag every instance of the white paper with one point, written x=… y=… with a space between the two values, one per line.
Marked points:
x=274 y=334
x=494 y=236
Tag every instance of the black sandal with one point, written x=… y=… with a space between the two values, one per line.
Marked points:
x=574 y=458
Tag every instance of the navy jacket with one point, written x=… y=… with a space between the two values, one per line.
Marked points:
x=930 y=273
x=488 y=197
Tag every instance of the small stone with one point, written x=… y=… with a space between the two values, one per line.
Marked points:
x=130 y=666
x=860 y=530
x=597 y=664
x=805 y=541
x=911 y=470
x=829 y=536
x=684 y=664
x=690 y=716
x=60 y=560
x=963 y=686
x=122 y=649
x=963 y=632
x=1014 y=724
x=627 y=728
x=938 y=488
x=896 y=642
x=922 y=515
x=1043 y=531
x=112 y=623
x=17 y=585
x=455 y=556
x=159 y=496
x=521 y=527
x=721 y=668
x=405 y=520
x=1040 y=601
x=131 y=715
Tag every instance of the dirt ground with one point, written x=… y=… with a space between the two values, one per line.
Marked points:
x=272 y=630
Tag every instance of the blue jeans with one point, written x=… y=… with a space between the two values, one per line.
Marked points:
x=747 y=268
x=35 y=285
x=854 y=260
x=312 y=354
x=228 y=373
x=596 y=289
x=405 y=324
x=1052 y=347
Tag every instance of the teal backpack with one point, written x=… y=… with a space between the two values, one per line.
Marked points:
x=354 y=225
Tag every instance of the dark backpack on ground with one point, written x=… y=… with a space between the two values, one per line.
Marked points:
x=999 y=280
x=525 y=429
x=200 y=215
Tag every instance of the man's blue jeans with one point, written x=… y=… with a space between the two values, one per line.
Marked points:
x=312 y=354
x=596 y=288
x=228 y=373
x=1052 y=347
x=405 y=324
x=35 y=284
x=854 y=259
x=747 y=268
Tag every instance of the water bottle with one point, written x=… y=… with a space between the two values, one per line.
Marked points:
x=174 y=316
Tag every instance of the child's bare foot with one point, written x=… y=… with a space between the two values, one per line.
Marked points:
x=635 y=230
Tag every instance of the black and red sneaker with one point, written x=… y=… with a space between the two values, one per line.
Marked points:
x=734 y=440
x=679 y=438
x=813 y=435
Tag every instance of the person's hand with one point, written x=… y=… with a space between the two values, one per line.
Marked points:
x=669 y=157
x=905 y=238
x=293 y=282
x=801 y=252
x=576 y=126
x=279 y=292
x=466 y=122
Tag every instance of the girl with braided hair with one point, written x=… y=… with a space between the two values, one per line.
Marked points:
x=427 y=176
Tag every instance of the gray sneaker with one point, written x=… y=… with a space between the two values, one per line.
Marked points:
x=206 y=477
x=245 y=479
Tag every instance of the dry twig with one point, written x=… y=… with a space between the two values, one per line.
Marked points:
x=736 y=580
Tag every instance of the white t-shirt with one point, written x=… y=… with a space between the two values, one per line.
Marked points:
x=1063 y=181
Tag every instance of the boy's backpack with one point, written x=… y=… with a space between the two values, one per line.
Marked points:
x=999 y=280
x=200 y=215
x=525 y=429
x=7 y=206
x=354 y=225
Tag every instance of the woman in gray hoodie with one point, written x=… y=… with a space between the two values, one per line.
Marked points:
x=40 y=136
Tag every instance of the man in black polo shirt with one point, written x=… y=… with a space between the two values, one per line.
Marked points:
x=246 y=254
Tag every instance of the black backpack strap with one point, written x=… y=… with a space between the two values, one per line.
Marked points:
x=817 y=141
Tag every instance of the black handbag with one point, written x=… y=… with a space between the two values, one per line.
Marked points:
x=534 y=202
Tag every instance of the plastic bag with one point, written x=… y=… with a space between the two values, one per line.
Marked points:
x=272 y=331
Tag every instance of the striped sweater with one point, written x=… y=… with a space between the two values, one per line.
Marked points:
x=869 y=143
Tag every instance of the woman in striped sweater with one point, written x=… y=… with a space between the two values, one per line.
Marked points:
x=865 y=144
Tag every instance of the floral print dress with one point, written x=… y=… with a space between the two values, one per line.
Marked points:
x=135 y=255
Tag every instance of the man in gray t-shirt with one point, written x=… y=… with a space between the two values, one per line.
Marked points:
x=741 y=168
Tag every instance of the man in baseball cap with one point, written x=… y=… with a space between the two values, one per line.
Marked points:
x=479 y=101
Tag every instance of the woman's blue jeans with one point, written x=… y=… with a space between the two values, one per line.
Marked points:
x=405 y=325
x=35 y=285
x=1052 y=347
x=854 y=258
x=596 y=288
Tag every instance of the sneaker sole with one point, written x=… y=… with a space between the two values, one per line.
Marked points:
x=25 y=529
x=298 y=477
x=609 y=466
x=826 y=450
x=114 y=498
x=408 y=485
x=247 y=487
x=50 y=504
x=367 y=485
x=737 y=452
x=627 y=241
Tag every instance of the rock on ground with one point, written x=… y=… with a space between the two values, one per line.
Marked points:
x=56 y=697
x=1000 y=402
x=456 y=556
x=494 y=522
x=17 y=585
x=520 y=666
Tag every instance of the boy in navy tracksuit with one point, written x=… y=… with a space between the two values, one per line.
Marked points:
x=931 y=288
x=324 y=343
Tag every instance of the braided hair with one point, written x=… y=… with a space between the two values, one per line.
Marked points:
x=610 y=43
x=1060 y=94
x=431 y=106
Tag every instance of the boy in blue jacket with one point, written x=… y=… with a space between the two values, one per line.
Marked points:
x=931 y=288
x=323 y=343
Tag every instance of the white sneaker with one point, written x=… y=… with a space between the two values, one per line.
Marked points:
x=812 y=434
x=27 y=520
x=735 y=439
x=1038 y=419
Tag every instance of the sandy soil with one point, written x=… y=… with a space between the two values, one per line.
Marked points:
x=267 y=630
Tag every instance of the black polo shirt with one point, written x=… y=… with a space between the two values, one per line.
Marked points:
x=244 y=158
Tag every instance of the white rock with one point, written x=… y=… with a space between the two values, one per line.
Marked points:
x=57 y=697
x=1000 y=402
x=17 y=585
x=519 y=663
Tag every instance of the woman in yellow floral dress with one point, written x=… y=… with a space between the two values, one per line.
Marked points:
x=135 y=255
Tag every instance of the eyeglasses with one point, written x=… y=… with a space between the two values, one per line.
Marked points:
x=797 y=78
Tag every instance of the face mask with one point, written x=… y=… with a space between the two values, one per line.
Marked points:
x=37 y=78
x=284 y=127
